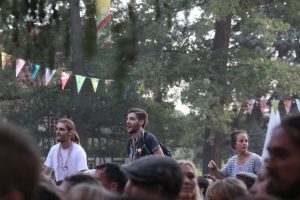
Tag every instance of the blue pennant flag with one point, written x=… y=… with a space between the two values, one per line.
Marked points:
x=34 y=68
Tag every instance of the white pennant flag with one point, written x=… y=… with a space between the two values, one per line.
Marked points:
x=19 y=65
x=49 y=74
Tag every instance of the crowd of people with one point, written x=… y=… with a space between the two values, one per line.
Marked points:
x=149 y=174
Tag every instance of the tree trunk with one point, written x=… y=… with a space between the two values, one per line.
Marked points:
x=219 y=60
x=77 y=67
x=207 y=152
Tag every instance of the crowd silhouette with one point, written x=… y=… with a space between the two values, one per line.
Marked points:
x=154 y=177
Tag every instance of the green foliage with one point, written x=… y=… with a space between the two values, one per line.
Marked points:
x=221 y=9
x=152 y=44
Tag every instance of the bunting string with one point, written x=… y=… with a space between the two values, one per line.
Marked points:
x=6 y=61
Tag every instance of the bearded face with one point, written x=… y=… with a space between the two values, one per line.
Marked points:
x=284 y=164
x=62 y=133
x=133 y=123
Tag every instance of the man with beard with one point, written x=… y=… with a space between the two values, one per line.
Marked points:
x=66 y=157
x=141 y=142
x=283 y=164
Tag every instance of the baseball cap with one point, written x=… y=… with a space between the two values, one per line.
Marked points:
x=247 y=177
x=160 y=170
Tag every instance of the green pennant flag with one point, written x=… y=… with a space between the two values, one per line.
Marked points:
x=79 y=81
x=275 y=104
x=95 y=82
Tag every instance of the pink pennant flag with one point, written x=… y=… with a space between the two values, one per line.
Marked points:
x=287 y=105
x=250 y=105
x=64 y=79
x=108 y=82
x=263 y=105
x=19 y=65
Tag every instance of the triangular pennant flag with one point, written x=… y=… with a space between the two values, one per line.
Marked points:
x=108 y=82
x=275 y=104
x=79 y=82
x=263 y=105
x=250 y=105
x=95 y=82
x=298 y=103
x=64 y=79
x=273 y=122
x=287 y=105
x=5 y=59
x=237 y=105
x=48 y=75
x=19 y=65
x=34 y=68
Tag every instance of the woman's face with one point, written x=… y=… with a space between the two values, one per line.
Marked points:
x=188 y=189
x=241 y=144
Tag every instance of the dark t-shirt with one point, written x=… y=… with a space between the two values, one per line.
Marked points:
x=137 y=149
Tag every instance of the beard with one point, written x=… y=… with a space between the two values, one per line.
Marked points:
x=292 y=192
x=133 y=130
x=61 y=139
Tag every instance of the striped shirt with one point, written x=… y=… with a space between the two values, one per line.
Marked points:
x=252 y=165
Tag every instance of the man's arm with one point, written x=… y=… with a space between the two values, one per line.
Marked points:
x=153 y=145
x=158 y=152
x=47 y=171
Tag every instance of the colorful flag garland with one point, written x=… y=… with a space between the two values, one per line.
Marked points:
x=34 y=68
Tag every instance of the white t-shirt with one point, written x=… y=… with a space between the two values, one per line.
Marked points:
x=66 y=162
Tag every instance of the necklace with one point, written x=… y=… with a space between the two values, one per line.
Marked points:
x=61 y=164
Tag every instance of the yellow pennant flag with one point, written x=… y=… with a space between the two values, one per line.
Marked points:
x=95 y=82
x=6 y=59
